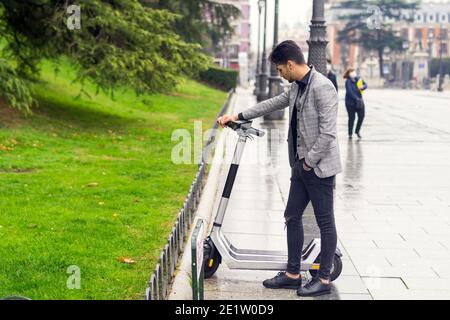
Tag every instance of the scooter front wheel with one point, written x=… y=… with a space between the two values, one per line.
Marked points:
x=212 y=258
x=336 y=268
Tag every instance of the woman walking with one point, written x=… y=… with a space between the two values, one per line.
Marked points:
x=354 y=86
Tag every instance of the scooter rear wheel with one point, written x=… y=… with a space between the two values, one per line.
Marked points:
x=212 y=258
x=336 y=268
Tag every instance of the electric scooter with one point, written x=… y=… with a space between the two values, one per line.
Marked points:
x=217 y=247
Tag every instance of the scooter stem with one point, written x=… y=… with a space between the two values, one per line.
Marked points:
x=230 y=180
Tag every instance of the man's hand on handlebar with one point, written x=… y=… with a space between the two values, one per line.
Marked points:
x=226 y=118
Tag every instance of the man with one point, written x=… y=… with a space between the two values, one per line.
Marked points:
x=314 y=159
x=331 y=75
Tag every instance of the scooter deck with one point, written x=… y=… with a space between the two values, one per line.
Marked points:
x=260 y=259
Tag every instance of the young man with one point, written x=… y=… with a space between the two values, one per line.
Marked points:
x=314 y=158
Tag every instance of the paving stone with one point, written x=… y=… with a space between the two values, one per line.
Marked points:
x=384 y=283
x=383 y=294
x=351 y=296
x=427 y=284
x=347 y=284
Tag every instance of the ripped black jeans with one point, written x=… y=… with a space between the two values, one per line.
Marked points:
x=306 y=186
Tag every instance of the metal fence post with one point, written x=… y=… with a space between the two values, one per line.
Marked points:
x=197 y=261
x=163 y=274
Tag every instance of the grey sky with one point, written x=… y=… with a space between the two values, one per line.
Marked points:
x=291 y=12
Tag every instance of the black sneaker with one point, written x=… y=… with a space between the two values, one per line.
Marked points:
x=314 y=288
x=282 y=281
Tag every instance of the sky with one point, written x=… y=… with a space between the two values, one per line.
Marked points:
x=291 y=12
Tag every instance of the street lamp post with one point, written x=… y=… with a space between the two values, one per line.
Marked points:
x=441 y=66
x=274 y=79
x=258 y=61
x=405 y=65
x=430 y=41
x=263 y=76
x=387 y=65
x=318 y=38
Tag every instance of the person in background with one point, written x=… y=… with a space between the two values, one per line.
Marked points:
x=331 y=75
x=354 y=87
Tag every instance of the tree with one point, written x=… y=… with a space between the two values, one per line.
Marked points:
x=206 y=22
x=374 y=37
x=120 y=43
x=14 y=89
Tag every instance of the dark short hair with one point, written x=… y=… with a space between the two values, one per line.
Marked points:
x=347 y=73
x=287 y=50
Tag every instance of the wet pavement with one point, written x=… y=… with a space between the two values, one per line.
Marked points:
x=392 y=203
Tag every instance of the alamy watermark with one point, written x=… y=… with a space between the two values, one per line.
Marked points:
x=74 y=19
x=262 y=151
x=373 y=277
x=74 y=280
x=376 y=17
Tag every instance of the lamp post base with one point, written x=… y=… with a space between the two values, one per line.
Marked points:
x=275 y=89
x=262 y=94
x=261 y=97
x=257 y=90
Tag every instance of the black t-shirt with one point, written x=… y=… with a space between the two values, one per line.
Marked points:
x=302 y=87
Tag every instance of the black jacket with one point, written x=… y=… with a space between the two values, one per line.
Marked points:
x=332 y=76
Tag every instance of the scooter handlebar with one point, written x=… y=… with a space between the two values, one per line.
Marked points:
x=246 y=126
x=256 y=132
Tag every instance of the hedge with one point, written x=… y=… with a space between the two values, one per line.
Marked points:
x=225 y=79
x=435 y=66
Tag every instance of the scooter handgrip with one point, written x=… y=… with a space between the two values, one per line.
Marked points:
x=232 y=125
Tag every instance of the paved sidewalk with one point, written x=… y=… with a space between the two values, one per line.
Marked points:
x=392 y=213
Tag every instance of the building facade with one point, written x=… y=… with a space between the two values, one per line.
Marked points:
x=425 y=37
x=235 y=52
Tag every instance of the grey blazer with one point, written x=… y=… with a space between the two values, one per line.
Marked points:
x=317 y=122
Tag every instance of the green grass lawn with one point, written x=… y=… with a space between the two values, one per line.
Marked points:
x=87 y=181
